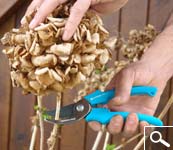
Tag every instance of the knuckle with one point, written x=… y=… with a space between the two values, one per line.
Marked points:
x=128 y=133
x=126 y=71
x=132 y=116
x=114 y=130
x=94 y=126
x=116 y=119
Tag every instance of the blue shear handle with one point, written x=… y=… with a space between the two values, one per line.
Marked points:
x=104 y=115
x=99 y=97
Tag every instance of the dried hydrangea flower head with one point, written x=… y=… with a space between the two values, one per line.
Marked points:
x=138 y=42
x=42 y=62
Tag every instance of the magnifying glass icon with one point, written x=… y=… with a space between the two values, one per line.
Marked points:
x=159 y=139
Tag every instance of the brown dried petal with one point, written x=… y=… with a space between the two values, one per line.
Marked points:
x=44 y=60
x=87 y=69
x=35 y=85
x=67 y=70
x=26 y=63
x=45 y=79
x=104 y=57
x=57 y=87
x=37 y=50
x=15 y=64
x=45 y=34
x=111 y=42
x=31 y=75
x=64 y=49
x=88 y=58
x=28 y=40
x=74 y=69
x=64 y=58
x=6 y=39
x=103 y=29
x=9 y=51
x=20 y=79
x=89 y=48
x=56 y=75
x=55 y=19
x=77 y=58
x=88 y=36
x=95 y=38
x=40 y=71
x=80 y=77
x=42 y=27
x=19 y=38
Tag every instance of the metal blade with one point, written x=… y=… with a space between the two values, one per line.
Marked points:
x=70 y=113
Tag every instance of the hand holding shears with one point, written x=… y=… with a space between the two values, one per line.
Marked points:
x=86 y=108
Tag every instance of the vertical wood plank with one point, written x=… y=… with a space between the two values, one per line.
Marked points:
x=159 y=12
x=8 y=8
x=134 y=16
x=22 y=110
x=72 y=136
x=111 y=22
x=5 y=88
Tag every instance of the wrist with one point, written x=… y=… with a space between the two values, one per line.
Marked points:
x=160 y=54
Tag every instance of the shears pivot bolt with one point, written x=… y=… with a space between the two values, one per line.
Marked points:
x=80 y=108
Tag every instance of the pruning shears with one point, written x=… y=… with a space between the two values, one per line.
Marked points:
x=87 y=108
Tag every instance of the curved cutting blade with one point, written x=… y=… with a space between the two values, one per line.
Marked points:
x=70 y=113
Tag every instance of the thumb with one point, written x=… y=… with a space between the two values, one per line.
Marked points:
x=123 y=83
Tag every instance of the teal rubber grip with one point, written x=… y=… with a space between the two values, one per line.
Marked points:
x=99 y=97
x=104 y=115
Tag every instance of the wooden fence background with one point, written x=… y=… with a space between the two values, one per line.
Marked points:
x=16 y=109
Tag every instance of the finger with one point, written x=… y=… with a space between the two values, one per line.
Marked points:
x=123 y=85
x=45 y=9
x=76 y=13
x=142 y=126
x=131 y=125
x=116 y=124
x=95 y=126
x=109 y=6
x=34 y=5
x=94 y=2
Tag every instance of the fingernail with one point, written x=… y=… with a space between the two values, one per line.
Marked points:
x=65 y=35
x=33 y=24
x=23 y=20
x=131 y=121
x=117 y=101
x=95 y=126
x=117 y=121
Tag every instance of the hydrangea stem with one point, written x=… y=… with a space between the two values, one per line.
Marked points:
x=98 y=138
x=51 y=141
x=106 y=140
x=33 y=137
x=41 y=123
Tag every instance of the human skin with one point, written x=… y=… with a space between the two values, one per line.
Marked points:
x=155 y=67
x=45 y=7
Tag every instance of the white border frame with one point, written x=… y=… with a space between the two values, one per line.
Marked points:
x=156 y=127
